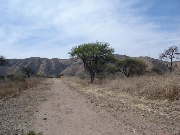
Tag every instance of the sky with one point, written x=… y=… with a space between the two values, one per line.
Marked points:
x=51 y=28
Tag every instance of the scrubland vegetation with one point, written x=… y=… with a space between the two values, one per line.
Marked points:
x=151 y=87
x=20 y=99
x=11 y=86
x=153 y=97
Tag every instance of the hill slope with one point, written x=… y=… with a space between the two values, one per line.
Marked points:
x=55 y=66
x=42 y=66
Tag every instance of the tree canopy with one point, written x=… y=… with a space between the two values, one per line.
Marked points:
x=28 y=71
x=95 y=56
x=131 y=66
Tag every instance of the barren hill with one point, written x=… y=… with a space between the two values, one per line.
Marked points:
x=42 y=66
x=55 y=66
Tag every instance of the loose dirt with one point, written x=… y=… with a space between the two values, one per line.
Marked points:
x=67 y=112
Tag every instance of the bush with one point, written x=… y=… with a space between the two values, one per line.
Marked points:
x=10 y=76
x=49 y=76
x=23 y=76
x=136 y=66
x=2 y=78
x=157 y=70
x=11 y=88
x=82 y=76
x=33 y=133
x=59 y=75
x=29 y=133
x=38 y=75
x=101 y=76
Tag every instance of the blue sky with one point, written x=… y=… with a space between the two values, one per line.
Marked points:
x=50 y=28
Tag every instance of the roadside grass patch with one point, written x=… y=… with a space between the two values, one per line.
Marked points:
x=10 y=88
x=157 y=87
x=154 y=97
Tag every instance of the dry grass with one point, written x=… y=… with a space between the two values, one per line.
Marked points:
x=149 y=97
x=17 y=112
x=155 y=87
x=151 y=87
x=11 y=88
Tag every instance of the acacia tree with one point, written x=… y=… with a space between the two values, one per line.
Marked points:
x=131 y=66
x=28 y=71
x=171 y=53
x=95 y=56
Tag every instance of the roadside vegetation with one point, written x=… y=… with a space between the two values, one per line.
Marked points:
x=129 y=75
x=155 y=87
x=128 y=85
x=11 y=84
x=155 y=98
x=10 y=87
x=29 y=133
x=149 y=86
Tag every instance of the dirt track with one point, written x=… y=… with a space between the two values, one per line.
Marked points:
x=67 y=112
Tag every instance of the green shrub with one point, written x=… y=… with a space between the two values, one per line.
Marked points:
x=101 y=76
x=23 y=76
x=59 y=75
x=157 y=70
x=82 y=76
x=49 y=76
x=38 y=75
x=10 y=76
x=2 y=77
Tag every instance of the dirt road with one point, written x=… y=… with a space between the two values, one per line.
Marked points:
x=67 y=112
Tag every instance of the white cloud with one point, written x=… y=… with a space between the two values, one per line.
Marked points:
x=50 y=28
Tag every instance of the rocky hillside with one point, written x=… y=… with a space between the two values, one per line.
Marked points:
x=55 y=66
x=43 y=66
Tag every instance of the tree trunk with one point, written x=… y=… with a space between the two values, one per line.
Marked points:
x=92 y=77
x=171 y=66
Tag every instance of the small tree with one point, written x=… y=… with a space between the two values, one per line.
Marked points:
x=28 y=71
x=95 y=56
x=171 y=53
x=3 y=61
x=131 y=66
x=112 y=69
x=157 y=70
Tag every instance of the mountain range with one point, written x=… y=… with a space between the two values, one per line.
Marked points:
x=72 y=66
